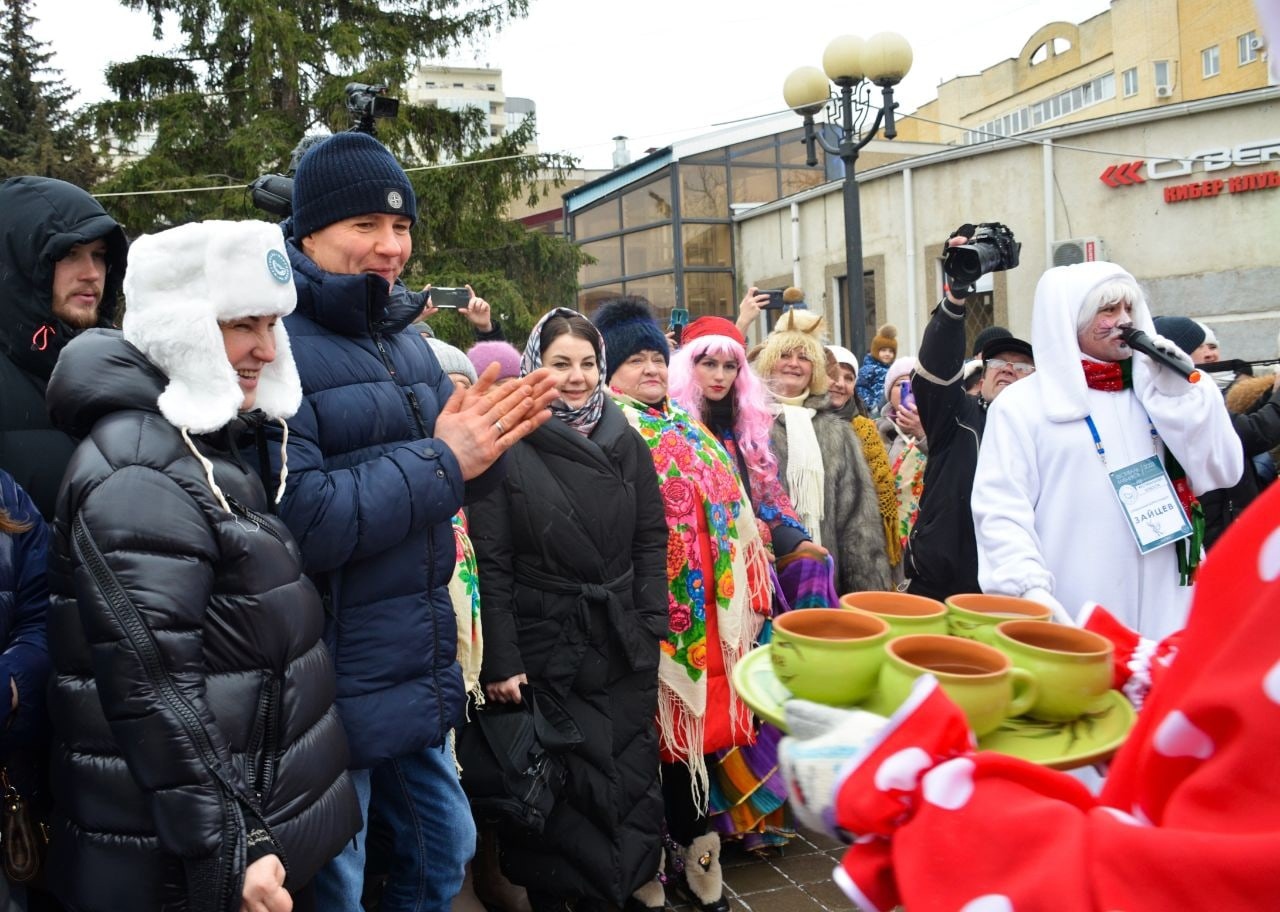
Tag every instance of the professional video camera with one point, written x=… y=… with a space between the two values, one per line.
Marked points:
x=991 y=248
x=273 y=193
x=367 y=103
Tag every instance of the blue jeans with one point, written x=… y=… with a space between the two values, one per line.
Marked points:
x=434 y=837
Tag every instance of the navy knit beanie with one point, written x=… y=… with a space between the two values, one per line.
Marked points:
x=1183 y=332
x=628 y=326
x=346 y=175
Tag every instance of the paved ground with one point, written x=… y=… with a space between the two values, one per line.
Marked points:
x=797 y=880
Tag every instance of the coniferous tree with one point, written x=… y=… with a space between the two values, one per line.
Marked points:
x=248 y=79
x=39 y=133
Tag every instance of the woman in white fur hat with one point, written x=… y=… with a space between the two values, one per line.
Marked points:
x=198 y=762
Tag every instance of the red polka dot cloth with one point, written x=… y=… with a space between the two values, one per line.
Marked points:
x=1189 y=817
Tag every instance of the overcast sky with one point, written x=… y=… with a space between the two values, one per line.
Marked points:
x=654 y=71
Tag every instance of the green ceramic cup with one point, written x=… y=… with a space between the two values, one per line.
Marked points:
x=1072 y=667
x=976 y=615
x=904 y=613
x=978 y=678
x=828 y=655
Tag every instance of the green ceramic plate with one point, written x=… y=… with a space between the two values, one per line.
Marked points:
x=1060 y=745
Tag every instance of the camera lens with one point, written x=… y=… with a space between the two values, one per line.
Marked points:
x=966 y=264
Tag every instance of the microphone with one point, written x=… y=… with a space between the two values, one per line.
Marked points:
x=1140 y=341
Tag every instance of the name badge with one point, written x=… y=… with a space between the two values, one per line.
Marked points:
x=1151 y=505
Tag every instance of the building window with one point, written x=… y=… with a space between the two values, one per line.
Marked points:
x=1103 y=88
x=1210 y=65
x=1130 y=79
x=1161 y=70
x=1247 y=46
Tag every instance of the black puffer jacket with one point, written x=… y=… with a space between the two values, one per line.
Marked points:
x=40 y=221
x=572 y=555
x=193 y=697
x=942 y=554
x=1259 y=430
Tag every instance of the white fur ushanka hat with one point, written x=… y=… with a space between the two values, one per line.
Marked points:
x=179 y=284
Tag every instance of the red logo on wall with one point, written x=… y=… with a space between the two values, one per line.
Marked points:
x=1124 y=174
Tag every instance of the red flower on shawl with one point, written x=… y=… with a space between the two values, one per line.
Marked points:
x=679 y=619
x=678 y=497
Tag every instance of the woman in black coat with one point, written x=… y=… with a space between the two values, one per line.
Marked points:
x=198 y=763
x=572 y=557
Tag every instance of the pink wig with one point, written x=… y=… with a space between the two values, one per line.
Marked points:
x=752 y=397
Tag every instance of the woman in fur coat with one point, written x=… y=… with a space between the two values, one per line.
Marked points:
x=819 y=458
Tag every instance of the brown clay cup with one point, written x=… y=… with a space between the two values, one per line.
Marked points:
x=828 y=655
x=1072 y=667
x=903 y=612
x=975 y=616
x=980 y=679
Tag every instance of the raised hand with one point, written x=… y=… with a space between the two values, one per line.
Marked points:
x=480 y=424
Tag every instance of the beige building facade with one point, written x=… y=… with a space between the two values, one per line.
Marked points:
x=1184 y=196
x=1138 y=54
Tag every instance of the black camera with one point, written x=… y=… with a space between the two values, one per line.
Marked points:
x=273 y=193
x=367 y=102
x=991 y=248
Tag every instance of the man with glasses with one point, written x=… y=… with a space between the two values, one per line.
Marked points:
x=942 y=554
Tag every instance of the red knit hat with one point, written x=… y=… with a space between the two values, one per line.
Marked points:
x=712 y=326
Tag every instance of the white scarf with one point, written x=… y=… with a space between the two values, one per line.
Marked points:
x=806 y=476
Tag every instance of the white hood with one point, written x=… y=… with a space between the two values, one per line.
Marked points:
x=179 y=284
x=1060 y=295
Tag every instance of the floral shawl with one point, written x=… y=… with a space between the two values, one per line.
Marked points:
x=464 y=592
x=695 y=473
x=908 y=479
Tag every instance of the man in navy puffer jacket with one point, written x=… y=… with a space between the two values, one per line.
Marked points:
x=378 y=465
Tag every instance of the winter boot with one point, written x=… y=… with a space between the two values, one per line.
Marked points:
x=492 y=886
x=652 y=896
x=703 y=879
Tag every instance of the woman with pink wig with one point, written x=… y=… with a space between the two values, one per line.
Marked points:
x=709 y=377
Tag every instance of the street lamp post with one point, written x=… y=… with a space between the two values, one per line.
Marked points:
x=854 y=66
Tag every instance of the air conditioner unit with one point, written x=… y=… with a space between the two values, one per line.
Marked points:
x=1164 y=91
x=1256 y=43
x=1078 y=250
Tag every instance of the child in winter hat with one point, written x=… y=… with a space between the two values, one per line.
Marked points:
x=885 y=344
x=875 y=364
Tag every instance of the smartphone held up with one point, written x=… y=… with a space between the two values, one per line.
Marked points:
x=445 y=298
